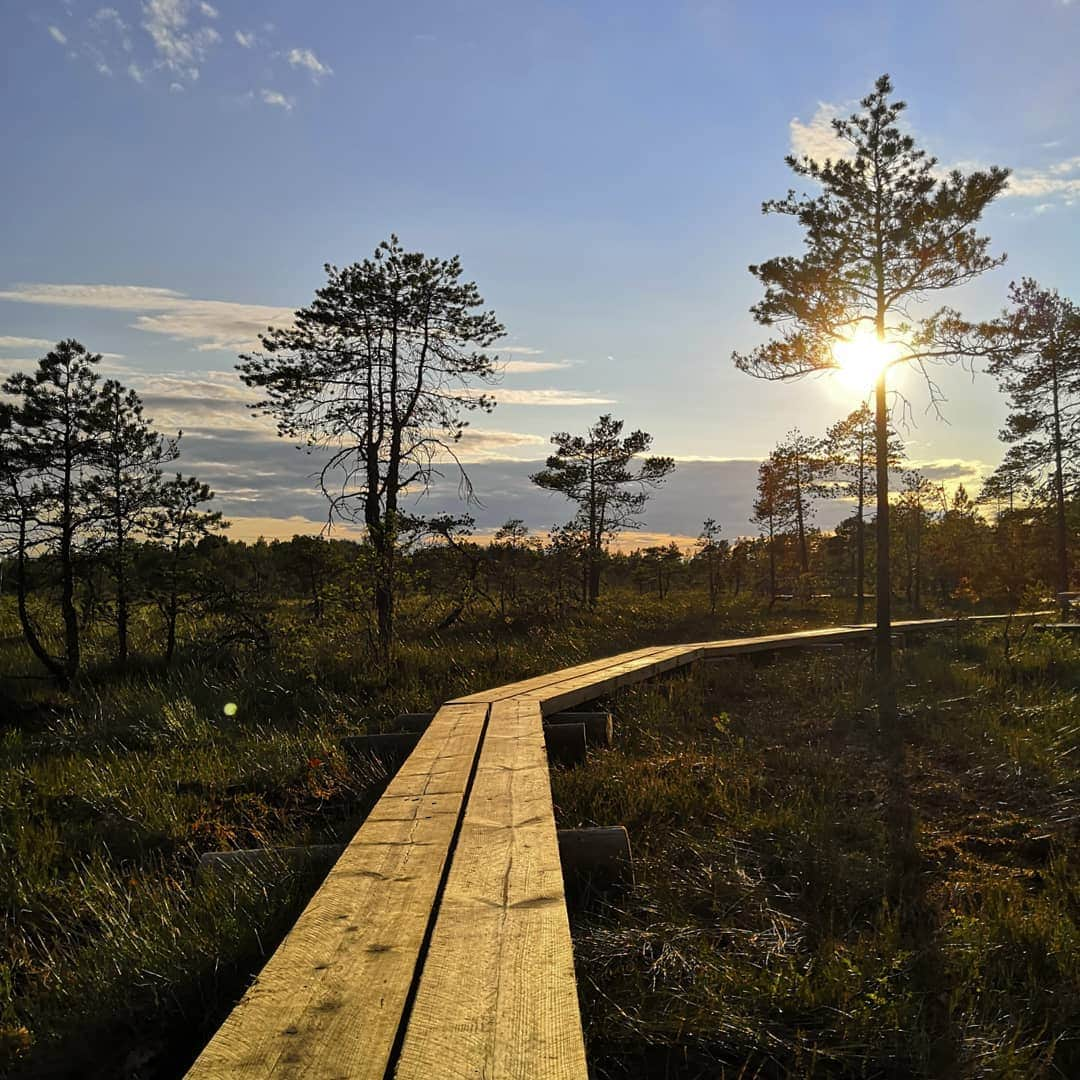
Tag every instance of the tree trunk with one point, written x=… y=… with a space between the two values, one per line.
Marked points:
x=1060 y=526
x=887 y=703
x=121 y=617
x=860 y=551
x=36 y=647
x=170 y=630
x=593 y=578
x=67 y=581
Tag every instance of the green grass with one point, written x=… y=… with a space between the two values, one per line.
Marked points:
x=114 y=957
x=117 y=959
x=816 y=897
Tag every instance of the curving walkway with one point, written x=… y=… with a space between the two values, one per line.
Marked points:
x=438 y=947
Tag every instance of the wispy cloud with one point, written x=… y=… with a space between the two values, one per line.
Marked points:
x=1059 y=180
x=525 y=367
x=180 y=48
x=136 y=72
x=25 y=343
x=245 y=39
x=506 y=396
x=208 y=324
x=58 y=35
x=277 y=99
x=305 y=58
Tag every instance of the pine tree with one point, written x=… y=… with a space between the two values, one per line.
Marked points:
x=597 y=470
x=885 y=230
x=851 y=448
x=52 y=432
x=126 y=488
x=1041 y=376
x=377 y=373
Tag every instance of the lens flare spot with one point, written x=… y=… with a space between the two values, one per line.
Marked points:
x=231 y=708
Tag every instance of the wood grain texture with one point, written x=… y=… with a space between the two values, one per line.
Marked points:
x=538 y=682
x=497 y=998
x=328 y=1004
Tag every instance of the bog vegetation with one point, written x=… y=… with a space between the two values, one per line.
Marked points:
x=168 y=691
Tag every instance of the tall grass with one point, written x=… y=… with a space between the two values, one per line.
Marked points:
x=115 y=957
x=780 y=925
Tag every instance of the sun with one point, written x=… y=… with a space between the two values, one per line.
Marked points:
x=861 y=359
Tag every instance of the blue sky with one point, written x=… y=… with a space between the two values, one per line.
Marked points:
x=177 y=173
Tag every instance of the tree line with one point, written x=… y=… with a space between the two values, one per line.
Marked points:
x=84 y=497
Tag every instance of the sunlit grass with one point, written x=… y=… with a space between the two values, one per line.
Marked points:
x=771 y=932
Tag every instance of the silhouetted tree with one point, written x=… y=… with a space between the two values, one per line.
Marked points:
x=1041 y=376
x=885 y=230
x=850 y=445
x=126 y=488
x=597 y=471
x=178 y=525
x=52 y=436
x=802 y=469
x=378 y=372
x=768 y=515
x=714 y=552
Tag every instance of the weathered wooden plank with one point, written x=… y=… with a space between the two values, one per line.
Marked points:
x=497 y=998
x=567 y=693
x=525 y=686
x=328 y=1003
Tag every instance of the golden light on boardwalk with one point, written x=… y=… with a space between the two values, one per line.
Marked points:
x=862 y=357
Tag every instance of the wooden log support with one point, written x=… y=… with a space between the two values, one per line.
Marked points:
x=565 y=743
x=599 y=727
x=414 y=721
x=391 y=748
x=595 y=860
x=267 y=860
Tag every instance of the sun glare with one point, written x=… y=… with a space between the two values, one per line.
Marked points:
x=861 y=358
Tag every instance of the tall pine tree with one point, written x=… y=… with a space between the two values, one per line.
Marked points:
x=884 y=230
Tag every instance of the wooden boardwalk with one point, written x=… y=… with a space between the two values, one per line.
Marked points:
x=438 y=946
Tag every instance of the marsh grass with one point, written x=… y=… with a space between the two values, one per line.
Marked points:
x=816 y=897
x=116 y=959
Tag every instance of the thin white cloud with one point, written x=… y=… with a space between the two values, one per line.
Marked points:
x=305 y=58
x=109 y=16
x=525 y=367
x=506 y=396
x=1060 y=180
x=25 y=343
x=208 y=10
x=477 y=444
x=520 y=350
x=277 y=99
x=244 y=39
x=58 y=35
x=136 y=72
x=208 y=324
